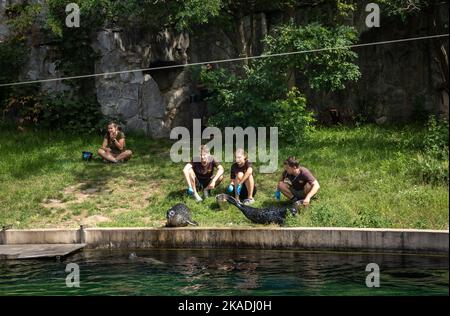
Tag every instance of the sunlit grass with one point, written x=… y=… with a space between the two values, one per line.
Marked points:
x=363 y=172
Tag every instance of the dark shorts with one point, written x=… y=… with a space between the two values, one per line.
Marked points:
x=203 y=182
x=299 y=194
x=244 y=192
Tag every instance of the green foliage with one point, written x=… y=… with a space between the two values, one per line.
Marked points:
x=260 y=96
x=436 y=140
x=371 y=217
x=345 y=7
x=327 y=69
x=13 y=51
x=432 y=165
x=21 y=17
x=196 y=12
x=294 y=121
x=75 y=115
x=402 y=8
x=13 y=54
x=26 y=109
x=155 y=15
x=428 y=169
x=57 y=112
x=75 y=56
x=237 y=101
x=92 y=15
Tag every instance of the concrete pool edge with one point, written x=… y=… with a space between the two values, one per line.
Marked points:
x=301 y=238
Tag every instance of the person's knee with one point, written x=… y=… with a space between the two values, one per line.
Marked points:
x=240 y=175
x=101 y=151
x=186 y=169
x=281 y=185
x=129 y=153
x=191 y=174
x=250 y=181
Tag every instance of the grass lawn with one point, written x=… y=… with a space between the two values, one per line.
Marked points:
x=363 y=172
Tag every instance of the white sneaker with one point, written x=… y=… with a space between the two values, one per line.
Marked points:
x=197 y=197
x=249 y=201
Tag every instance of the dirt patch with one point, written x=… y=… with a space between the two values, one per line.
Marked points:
x=113 y=198
x=93 y=220
x=53 y=204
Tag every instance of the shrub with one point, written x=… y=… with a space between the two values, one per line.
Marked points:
x=428 y=169
x=436 y=139
x=259 y=95
x=294 y=121
x=432 y=165
x=59 y=112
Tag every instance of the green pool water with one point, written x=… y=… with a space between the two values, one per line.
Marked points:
x=226 y=272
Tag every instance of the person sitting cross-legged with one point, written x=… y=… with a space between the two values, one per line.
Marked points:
x=113 y=147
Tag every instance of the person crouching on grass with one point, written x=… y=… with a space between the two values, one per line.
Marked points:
x=113 y=147
x=242 y=180
x=297 y=183
x=199 y=175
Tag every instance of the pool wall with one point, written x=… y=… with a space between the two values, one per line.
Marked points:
x=335 y=239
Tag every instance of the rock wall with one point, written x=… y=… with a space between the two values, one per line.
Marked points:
x=41 y=63
x=4 y=29
x=400 y=82
x=397 y=79
x=145 y=104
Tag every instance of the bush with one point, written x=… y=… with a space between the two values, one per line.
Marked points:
x=259 y=95
x=59 y=112
x=25 y=110
x=294 y=121
x=235 y=103
x=436 y=139
x=432 y=165
x=12 y=58
x=428 y=169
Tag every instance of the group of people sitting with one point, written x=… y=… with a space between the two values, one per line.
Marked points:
x=205 y=173
x=296 y=183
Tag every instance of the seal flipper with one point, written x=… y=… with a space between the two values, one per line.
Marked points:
x=193 y=223
x=233 y=201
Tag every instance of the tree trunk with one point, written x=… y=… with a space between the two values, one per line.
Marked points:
x=440 y=48
x=241 y=42
x=289 y=15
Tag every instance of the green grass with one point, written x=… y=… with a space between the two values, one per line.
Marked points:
x=365 y=176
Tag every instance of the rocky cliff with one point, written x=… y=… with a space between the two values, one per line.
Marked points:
x=397 y=79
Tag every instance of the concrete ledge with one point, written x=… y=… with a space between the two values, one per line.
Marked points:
x=41 y=236
x=326 y=238
x=34 y=251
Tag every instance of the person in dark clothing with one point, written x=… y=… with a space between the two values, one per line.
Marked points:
x=297 y=182
x=242 y=179
x=199 y=174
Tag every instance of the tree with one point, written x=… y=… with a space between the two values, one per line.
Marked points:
x=261 y=96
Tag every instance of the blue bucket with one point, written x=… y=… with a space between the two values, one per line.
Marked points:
x=86 y=155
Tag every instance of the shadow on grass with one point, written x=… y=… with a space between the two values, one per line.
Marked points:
x=269 y=203
x=176 y=195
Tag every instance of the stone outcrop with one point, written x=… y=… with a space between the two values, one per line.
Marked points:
x=136 y=98
x=397 y=79
x=41 y=63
